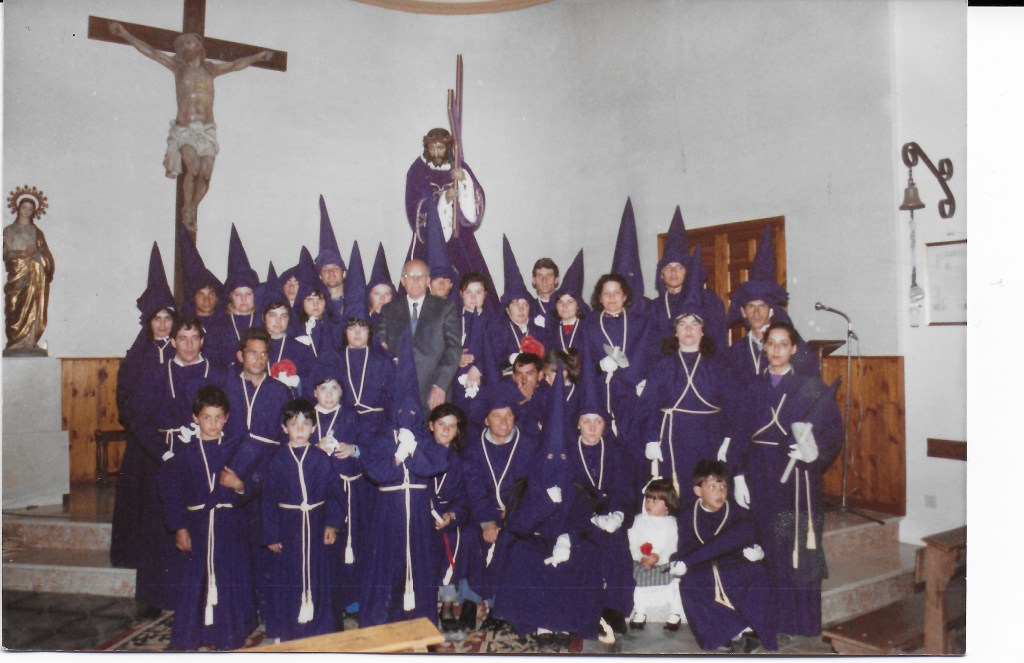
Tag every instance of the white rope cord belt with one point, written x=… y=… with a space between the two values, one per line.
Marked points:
x=306 y=607
x=357 y=394
x=812 y=539
x=774 y=422
x=265 y=440
x=350 y=557
x=211 y=571
x=498 y=480
x=409 y=600
x=608 y=380
x=668 y=412
x=720 y=596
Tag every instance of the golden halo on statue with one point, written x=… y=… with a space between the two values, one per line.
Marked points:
x=18 y=196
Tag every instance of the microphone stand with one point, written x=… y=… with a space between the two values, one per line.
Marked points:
x=850 y=336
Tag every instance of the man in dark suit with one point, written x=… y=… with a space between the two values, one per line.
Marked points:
x=436 y=333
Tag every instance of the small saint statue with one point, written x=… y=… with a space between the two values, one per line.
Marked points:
x=29 y=272
x=192 y=140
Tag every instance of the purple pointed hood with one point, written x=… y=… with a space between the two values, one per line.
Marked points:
x=195 y=275
x=240 y=274
x=675 y=248
x=761 y=284
x=355 y=286
x=157 y=294
x=515 y=287
x=626 y=259
x=329 y=253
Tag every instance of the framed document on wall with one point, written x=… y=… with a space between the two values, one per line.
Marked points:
x=947 y=282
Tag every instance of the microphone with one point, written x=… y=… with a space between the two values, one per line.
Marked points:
x=818 y=306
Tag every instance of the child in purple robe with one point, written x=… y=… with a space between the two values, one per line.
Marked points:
x=725 y=590
x=303 y=512
x=216 y=604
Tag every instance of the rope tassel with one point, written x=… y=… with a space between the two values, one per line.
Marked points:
x=306 y=608
x=812 y=540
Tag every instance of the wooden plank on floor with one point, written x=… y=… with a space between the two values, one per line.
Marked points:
x=411 y=635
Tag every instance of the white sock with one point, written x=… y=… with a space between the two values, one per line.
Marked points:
x=674 y=618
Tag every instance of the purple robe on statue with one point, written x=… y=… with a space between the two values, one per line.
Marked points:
x=424 y=185
x=782 y=511
x=162 y=402
x=297 y=571
x=195 y=501
x=711 y=542
x=402 y=572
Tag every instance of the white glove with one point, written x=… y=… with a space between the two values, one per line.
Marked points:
x=560 y=553
x=754 y=553
x=653 y=451
x=608 y=522
x=512 y=358
x=608 y=365
x=723 y=450
x=805 y=448
x=539 y=320
x=406 y=444
x=742 y=493
x=186 y=433
x=555 y=493
x=640 y=387
x=677 y=568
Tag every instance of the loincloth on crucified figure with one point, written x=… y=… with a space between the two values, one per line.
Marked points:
x=201 y=136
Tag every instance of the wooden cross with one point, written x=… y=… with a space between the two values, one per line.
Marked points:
x=194 y=21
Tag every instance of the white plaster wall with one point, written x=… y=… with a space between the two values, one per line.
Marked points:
x=734 y=110
x=931 y=109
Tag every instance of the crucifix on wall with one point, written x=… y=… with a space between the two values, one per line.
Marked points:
x=192 y=143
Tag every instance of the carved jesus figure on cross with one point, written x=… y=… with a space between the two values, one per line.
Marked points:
x=192 y=141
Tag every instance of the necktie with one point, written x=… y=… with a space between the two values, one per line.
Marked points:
x=415 y=317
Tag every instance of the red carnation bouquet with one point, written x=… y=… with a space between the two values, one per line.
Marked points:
x=531 y=345
x=646 y=549
x=285 y=371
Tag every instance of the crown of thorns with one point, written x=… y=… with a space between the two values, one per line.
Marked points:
x=23 y=193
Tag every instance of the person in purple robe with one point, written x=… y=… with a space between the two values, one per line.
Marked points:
x=152 y=347
x=786 y=432
x=288 y=282
x=687 y=397
x=602 y=470
x=216 y=606
x=724 y=587
x=511 y=331
x=331 y=266
x=615 y=352
x=529 y=391
x=455 y=193
x=290 y=362
x=566 y=365
x=203 y=291
x=544 y=279
x=550 y=585
x=241 y=287
x=758 y=302
x=303 y=513
x=380 y=288
x=475 y=320
x=257 y=401
x=495 y=456
x=367 y=376
x=456 y=549
x=675 y=270
x=336 y=434
x=159 y=408
x=402 y=460
x=569 y=308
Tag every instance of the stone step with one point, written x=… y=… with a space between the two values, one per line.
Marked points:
x=872 y=578
x=66 y=571
x=45 y=533
x=848 y=535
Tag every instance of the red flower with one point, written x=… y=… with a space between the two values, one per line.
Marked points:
x=646 y=549
x=285 y=367
x=531 y=345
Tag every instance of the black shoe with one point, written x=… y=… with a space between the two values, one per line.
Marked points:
x=727 y=648
x=616 y=620
x=494 y=625
x=146 y=611
x=671 y=626
x=542 y=640
x=562 y=639
x=467 y=617
x=748 y=643
x=638 y=626
x=447 y=619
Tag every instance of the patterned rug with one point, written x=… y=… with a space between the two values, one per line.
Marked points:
x=155 y=635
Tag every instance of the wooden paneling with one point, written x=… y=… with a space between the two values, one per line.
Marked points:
x=88 y=402
x=876 y=461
